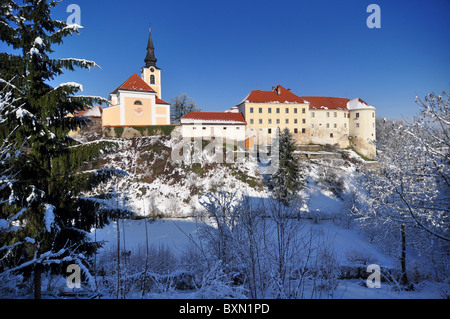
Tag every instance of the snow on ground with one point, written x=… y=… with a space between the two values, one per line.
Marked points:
x=175 y=233
x=172 y=233
x=356 y=289
x=177 y=200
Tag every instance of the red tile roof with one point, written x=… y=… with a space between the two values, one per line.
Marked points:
x=93 y=112
x=213 y=117
x=278 y=95
x=159 y=101
x=325 y=102
x=135 y=83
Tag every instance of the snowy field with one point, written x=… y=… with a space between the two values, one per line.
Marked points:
x=172 y=233
x=177 y=235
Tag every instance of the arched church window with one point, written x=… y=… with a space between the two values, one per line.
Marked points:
x=137 y=102
x=152 y=79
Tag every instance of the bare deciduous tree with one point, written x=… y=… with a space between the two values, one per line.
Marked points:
x=408 y=188
x=180 y=106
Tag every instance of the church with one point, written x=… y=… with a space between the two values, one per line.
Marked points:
x=138 y=101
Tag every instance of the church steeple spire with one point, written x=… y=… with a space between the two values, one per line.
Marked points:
x=150 y=59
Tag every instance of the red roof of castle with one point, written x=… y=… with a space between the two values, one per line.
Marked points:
x=328 y=103
x=215 y=117
x=325 y=102
x=278 y=95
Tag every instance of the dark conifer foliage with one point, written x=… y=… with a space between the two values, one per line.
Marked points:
x=46 y=220
x=287 y=180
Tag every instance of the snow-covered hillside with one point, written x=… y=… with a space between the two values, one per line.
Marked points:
x=158 y=188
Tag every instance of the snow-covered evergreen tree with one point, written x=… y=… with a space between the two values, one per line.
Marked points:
x=45 y=219
x=287 y=180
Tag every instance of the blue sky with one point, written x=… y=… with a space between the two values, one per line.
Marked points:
x=218 y=51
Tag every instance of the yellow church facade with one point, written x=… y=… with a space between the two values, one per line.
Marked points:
x=137 y=101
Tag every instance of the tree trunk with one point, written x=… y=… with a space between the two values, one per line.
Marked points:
x=118 y=257
x=37 y=281
x=404 y=278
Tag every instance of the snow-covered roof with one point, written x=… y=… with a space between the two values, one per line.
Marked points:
x=358 y=104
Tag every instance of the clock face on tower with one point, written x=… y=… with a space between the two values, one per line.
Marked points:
x=152 y=70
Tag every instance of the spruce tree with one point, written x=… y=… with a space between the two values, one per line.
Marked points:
x=46 y=220
x=287 y=180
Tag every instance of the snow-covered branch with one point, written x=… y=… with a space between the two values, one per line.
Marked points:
x=69 y=63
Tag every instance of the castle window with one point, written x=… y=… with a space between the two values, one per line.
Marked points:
x=251 y=110
x=269 y=110
x=303 y=130
x=335 y=114
x=269 y=131
x=152 y=79
x=137 y=102
x=270 y=121
x=313 y=114
x=357 y=125
x=295 y=110
x=260 y=121
x=295 y=121
x=260 y=110
x=287 y=110
x=303 y=110
x=278 y=110
x=331 y=134
x=251 y=121
x=278 y=121
x=357 y=115
x=304 y=121
x=328 y=114
x=295 y=130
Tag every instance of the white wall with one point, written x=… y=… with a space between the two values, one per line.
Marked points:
x=322 y=126
x=234 y=132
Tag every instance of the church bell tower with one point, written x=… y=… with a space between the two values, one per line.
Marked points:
x=150 y=73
